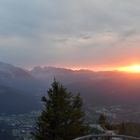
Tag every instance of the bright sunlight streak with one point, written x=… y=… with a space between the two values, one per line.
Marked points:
x=132 y=69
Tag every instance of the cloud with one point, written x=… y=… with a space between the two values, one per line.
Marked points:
x=76 y=32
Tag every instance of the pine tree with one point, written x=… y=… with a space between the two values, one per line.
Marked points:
x=102 y=120
x=62 y=117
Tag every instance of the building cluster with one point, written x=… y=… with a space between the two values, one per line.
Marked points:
x=21 y=125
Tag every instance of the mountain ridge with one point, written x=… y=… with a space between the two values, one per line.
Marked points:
x=96 y=88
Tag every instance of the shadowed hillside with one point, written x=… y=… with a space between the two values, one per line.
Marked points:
x=13 y=101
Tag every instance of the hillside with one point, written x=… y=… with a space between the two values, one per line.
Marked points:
x=18 y=78
x=13 y=101
x=18 y=90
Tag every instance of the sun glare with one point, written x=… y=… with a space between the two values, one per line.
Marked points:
x=131 y=69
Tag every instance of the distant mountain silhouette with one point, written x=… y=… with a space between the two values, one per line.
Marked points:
x=98 y=88
x=18 y=78
x=66 y=76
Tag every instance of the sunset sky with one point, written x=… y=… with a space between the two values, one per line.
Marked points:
x=70 y=33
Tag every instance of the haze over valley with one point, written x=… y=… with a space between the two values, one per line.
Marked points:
x=21 y=90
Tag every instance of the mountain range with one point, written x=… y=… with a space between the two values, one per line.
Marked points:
x=98 y=88
x=22 y=88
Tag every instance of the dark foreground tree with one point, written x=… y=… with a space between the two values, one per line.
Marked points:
x=102 y=120
x=62 y=117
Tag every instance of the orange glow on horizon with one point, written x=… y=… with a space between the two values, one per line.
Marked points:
x=96 y=68
x=131 y=69
x=135 y=68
